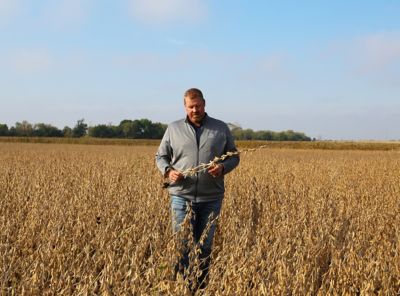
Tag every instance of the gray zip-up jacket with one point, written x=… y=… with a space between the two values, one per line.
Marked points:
x=179 y=150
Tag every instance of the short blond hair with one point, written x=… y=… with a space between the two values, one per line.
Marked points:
x=193 y=93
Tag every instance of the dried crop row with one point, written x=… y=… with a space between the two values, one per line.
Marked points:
x=85 y=220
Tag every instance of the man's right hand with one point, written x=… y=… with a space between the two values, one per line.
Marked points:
x=174 y=176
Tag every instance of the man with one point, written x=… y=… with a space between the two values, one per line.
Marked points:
x=187 y=143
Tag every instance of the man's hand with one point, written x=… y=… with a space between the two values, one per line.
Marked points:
x=174 y=176
x=216 y=170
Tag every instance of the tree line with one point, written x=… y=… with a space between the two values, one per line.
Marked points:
x=133 y=129
x=266 y=135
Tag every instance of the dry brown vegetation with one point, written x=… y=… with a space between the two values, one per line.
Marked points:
x=87 y=220
x=320 y=145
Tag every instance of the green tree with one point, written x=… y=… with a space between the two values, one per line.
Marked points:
x=23 y=129
x=243 y=134
x=80 y=129
x=266 y=135
x=130 y=129
x=67 y=132
x=46 y=130
x=263 y=135
x=3 y=130
x=157 y=130
x=102 y=131
x=12 y=132
x=141 y=129
x=145 y=128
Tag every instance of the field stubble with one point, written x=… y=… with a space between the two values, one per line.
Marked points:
x=84 y=220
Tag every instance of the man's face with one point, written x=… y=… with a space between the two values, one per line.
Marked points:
x=195 y=109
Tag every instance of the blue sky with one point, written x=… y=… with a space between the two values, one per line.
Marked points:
x=331 y=70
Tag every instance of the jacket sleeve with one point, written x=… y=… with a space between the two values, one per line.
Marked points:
x=231 y=162
x=164 y=153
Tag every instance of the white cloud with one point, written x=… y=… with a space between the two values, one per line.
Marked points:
x=8 y=9
x=156 y=12
x=170 y=62
x=373 y=58
x=29 y=61
x=60 y=13
x=174 y=41
x=67 y=12
x=245 y=66
x=272 y=67
x=378 y=51
x=376 y=58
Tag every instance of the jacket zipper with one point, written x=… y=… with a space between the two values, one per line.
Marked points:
x=197 y=161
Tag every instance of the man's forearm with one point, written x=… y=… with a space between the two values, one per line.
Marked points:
x=230 y=163
x=163 y=164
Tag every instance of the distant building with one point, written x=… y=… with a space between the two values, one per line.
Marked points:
x=233 y=126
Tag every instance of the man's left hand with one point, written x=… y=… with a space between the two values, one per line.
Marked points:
x=216 y=170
